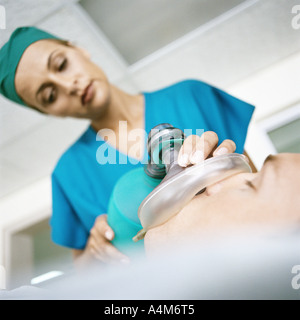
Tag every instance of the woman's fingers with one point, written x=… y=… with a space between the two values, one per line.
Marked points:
x=227 y=146
x=107 y=253
x=195 y=149
x=103 y=227
x=187 y=150
x=114 y=255
x=104 y=251
x=99 y=243
x=210 y=142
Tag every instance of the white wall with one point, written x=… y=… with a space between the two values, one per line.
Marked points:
x=271 y=90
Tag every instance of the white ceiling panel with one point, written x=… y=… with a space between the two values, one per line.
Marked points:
x=226 y=51
x=27 y=12
x=139 y=27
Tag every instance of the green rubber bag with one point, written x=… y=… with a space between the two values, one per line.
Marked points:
x=129 y=192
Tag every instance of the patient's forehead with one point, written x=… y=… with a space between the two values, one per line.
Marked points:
x=287 y=182
x=288 y=164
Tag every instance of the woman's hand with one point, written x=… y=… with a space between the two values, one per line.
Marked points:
x=196 y=149
x=99 y=244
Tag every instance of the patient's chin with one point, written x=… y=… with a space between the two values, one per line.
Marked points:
x=151 y=240
x=156 y=239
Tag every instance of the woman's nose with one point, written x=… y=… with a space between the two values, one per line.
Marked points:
x=71 y=85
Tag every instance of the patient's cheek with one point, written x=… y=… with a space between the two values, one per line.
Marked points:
x=213 y=189
x=175 y=230
x=170 y=228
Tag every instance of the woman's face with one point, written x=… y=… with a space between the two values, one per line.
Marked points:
x=265 y=199
x=61 y=80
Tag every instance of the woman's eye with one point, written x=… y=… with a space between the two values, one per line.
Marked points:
x=62 y=66
x=51 y=97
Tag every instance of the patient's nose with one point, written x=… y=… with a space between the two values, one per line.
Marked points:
x=235 y=181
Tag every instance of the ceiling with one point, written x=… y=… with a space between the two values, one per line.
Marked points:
x=138 y=28
x=31 y=143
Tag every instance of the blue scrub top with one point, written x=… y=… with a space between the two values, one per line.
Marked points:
x=81 y=186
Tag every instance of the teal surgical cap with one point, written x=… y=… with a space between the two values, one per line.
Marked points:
x=10 y=56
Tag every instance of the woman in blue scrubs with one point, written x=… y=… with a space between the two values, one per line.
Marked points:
x=41 y=71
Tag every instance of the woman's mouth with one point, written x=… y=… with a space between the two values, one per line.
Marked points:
x=88 y=94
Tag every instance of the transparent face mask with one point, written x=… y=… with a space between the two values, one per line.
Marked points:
x=180 y=185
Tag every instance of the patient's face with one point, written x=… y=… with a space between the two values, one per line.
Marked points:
x=273 y=191
x=269 y=197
